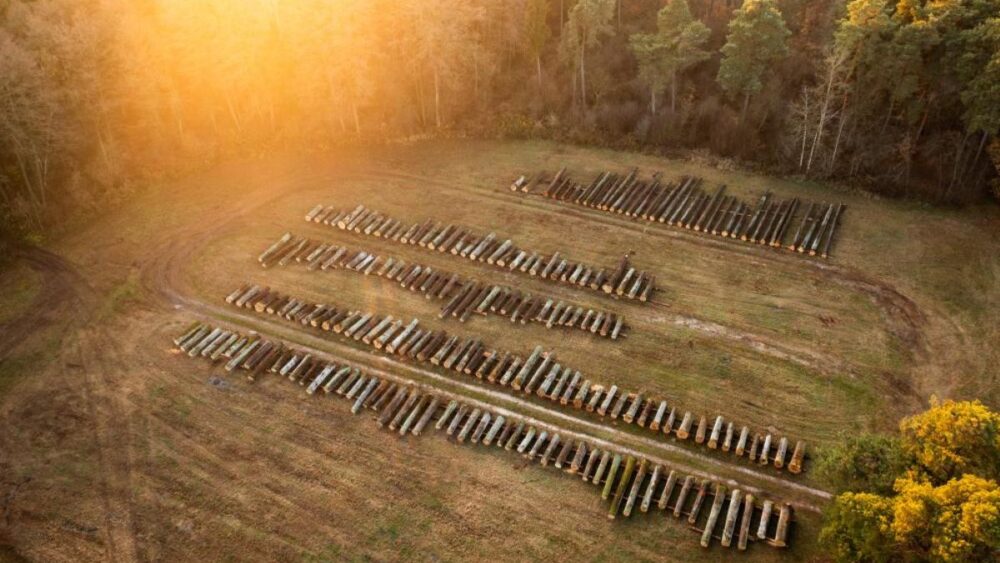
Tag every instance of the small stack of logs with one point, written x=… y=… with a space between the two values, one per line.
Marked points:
x=685 y=204
x=623 y=281
x=461 y=296
x=539 y=374
x=627 y=481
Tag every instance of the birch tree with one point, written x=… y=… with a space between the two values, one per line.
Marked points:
x=588 y=22
x=536 y=32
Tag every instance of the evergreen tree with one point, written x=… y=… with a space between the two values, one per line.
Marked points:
x=675 y=47
x=756 y=40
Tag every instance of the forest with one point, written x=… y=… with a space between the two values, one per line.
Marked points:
x=101 y=97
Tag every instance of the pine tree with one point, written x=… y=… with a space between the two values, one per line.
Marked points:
x=675 y=47
x=756 y=40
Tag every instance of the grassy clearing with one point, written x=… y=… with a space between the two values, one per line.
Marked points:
x=256 y=472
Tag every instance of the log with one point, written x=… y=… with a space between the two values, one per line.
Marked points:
x=633 y=494
x=779 y=456
x=498 y=424
x=682 y=496
x=781 y=533
x=741 y=444
x=365 y=393
x=745 y=522
x=592 y=461
x=647 y=497
x=578 y=457
x=765 y=520
x=753 y=447
x=730 y=525
x=699 y=436
x=457 y=419
x=609 y=480
x=798 y=232
x=765 y=450
x=713 y=515
x=515 y=432
x=833 y=229
x=795 y=465
x=658 y=417
x=390 y=410
x=549 y=450
x=818 y=237
x=713 y=441
x=727 y=443
x=411 y=419
x=468 y=426
x=644 y=414
x=526 y=440
x=699 y=500
x=623 y=482
x=607 y=400
x=685 y=428
x=668 y=489
x=382 y=389
x=568 y=446
x=448 y=411
x=668 y=426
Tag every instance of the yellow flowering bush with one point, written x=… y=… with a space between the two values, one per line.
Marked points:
x=954 y=438
x=946 y=507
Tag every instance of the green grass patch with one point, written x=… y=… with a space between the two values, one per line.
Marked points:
x=121 y=296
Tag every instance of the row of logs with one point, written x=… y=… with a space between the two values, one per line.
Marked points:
x=539 y=374
x=623 y=281
x=685 y=204
x=628 y=482
x=461 y=296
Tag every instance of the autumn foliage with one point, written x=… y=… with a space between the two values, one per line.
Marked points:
x=945 y=507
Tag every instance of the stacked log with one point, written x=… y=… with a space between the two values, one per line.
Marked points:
x=540 y=373
x=462 y=297
x=408 y=410
x=461 y=241
x=685 y=204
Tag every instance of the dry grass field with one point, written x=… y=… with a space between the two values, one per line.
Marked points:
x=116 y=448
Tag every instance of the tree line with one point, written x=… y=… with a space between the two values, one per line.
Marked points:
x=97 y=96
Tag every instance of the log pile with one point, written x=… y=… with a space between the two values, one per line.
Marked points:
x=461 y=297
x=687 y=204
x=630 y=483
x=622 y=281
x=540 y=373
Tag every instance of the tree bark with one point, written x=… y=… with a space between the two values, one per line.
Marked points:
x=583 y=78
x=652 y=100
x=673 y=91
x=437 y=99
x=746 y=104
x=538 y=67
x=805 y=127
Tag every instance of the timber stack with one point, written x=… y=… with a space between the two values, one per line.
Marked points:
x=539 y=373
x=461 y=297
x=623 y=281
x=687 y=204
x=628 y=482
